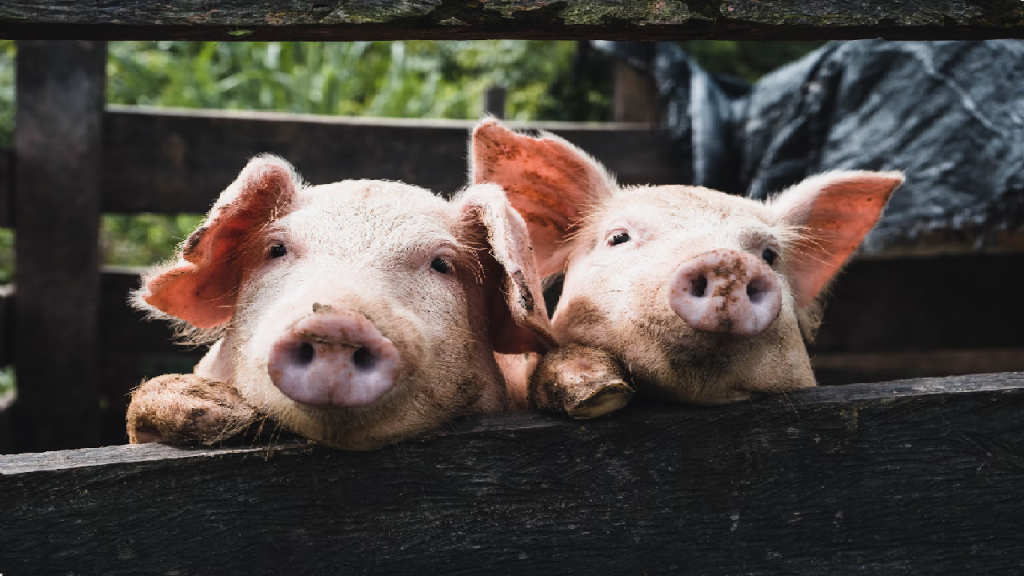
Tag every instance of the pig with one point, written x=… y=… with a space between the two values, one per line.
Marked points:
x=697 y=296
x=354 y=314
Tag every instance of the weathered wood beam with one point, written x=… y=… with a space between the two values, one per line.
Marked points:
x=909 y=477
x=160 y=160
x=322 y=20
x=58 y=143
x=6 y=188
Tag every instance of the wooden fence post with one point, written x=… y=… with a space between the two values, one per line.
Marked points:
x=58 y=147
x=494 y=102
x=635 y=96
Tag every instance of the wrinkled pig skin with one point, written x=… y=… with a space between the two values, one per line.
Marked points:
x=701 y=297
x=354 y=314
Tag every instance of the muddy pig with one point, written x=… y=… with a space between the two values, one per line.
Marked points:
x=354 y=313
x=695 y=295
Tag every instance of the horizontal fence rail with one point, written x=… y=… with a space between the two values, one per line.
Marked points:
x=322 y=20
x=911 y=477
x=160 y=160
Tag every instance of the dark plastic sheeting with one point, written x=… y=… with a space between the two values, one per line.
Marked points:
x=949 y=114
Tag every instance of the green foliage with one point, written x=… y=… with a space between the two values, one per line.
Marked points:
x=6 y=380
x=142 y=239
x=7 y=52
x=414 y=79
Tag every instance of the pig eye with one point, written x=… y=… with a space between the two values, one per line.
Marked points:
x=278 y=250
x=441 y=265
x=618 y=238
x=768 y=255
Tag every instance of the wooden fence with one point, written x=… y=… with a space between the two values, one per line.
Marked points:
x=916 y=477
x=899 y=478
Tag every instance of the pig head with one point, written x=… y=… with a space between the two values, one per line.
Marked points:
x=702 y=297
x=355 y=313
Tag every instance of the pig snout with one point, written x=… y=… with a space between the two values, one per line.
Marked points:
x=726 y=291
x=333 y=359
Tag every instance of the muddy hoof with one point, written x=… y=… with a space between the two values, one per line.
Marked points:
x=603 y=401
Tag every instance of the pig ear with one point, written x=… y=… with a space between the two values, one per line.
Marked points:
x=833 y=211
x=550 y=182
x=519 y=319
x=201 y=288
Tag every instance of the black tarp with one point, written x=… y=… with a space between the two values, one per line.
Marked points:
x=948 y=114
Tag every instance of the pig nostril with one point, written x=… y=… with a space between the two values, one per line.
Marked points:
x=699 y=286
x=305 y=354
x=755 y=291
x=364 y=359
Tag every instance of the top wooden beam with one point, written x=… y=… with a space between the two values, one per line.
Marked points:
x=322 y=20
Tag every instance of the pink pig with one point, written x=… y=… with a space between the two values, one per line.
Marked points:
x=354 y=313
x=697 y=296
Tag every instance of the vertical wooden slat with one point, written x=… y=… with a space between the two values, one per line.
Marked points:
x=494 y=102
x=6 y=188
x=635 y=95
x=58 y=147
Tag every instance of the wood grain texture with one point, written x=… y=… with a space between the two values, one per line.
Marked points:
x=6 y=188
x=903 y=478
x=58 y=144
x=320 y=20
x=180 y=160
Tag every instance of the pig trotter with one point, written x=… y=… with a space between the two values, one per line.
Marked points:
x=579 y=381
x=187 y=409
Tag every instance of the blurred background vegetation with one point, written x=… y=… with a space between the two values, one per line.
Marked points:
x=413 y=79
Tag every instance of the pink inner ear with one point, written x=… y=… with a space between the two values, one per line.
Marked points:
x=518 y=316
x=202 y=287
x=547 y=180
x=205 y=300
x=836 y=210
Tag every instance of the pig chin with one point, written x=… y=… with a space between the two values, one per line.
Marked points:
x=670 y=360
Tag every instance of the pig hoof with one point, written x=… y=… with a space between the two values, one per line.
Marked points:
x=606 y=400
x=186 y=409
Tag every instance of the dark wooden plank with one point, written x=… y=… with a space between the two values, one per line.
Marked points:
x=859 y=367
x=58 y=144
x=904 y=478
x=6 y=324
x=966 y=301
x=6 y=187
x=180 y=160
x=7 y=401
x=321 y=20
